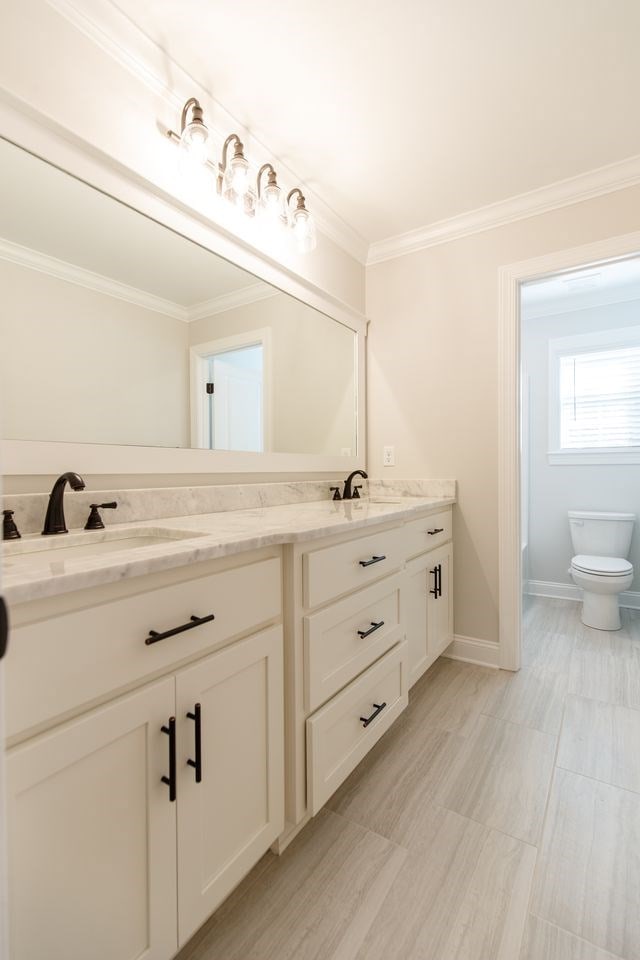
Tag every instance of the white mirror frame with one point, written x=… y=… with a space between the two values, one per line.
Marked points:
x=74 y=156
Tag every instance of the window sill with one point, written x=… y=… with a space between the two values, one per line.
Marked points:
x=605 y=457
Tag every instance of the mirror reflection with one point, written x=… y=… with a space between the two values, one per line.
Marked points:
x=116 y=330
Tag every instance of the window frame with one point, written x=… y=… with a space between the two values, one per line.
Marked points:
x=585 y=343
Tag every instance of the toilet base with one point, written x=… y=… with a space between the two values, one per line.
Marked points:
x=601 y=610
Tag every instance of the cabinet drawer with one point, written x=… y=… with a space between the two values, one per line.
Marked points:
x=345 y=638
x=55 y=666
x=344 y=567
x=337 y=738
x=427 y=532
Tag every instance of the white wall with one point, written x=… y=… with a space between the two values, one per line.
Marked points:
x=78 y=365
x=555 y=489
x=433 y=368
x=312 y=376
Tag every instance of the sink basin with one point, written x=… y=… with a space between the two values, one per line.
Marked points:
x=29 y=554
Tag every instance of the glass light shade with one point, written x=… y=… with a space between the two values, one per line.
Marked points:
x=237 y=176
x=195 y=137
x=304 y=230
x=271 y=202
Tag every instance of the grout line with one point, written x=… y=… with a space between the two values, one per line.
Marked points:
x=605 y=783
x=486 y=826
x=589 y=943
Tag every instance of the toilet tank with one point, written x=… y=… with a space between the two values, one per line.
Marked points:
x=601 y=534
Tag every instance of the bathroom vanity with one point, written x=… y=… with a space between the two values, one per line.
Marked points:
x=173 y=710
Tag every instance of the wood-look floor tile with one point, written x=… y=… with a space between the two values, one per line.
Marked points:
x=544 y=941
x=550 y=651
x=533 y=697
x=606 y=666
x=601 y=740
x=315 y=902
x=501 y=778
x=545 y=615
x=390 y=790
x=461 y=896
x=588 y=873
x=450 y=696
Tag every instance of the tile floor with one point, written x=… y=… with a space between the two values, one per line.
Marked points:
x=499 y=819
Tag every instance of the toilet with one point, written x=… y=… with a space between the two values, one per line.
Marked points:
x=601 y=543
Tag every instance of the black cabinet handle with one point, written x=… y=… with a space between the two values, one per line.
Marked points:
x=154 y=636
x=4 y=628
x=372 y=629
x=435 y=530
x=171 y=779
x=379 y=707
x=434 y=592
x=367 y=563
x=197 y=763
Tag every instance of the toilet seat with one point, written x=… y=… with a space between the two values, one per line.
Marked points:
x=602 y=566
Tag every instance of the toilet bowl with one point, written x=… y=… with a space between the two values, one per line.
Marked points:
x=602 y=542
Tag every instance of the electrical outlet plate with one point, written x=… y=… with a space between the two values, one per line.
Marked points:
x=388 y=456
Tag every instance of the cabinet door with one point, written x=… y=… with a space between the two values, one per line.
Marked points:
x=414 y=592
x=92 y=863
x=231 y=817
x=440 y=602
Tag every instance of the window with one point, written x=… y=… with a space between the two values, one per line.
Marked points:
x=594 y=381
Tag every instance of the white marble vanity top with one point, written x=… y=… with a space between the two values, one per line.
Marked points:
x=214 y=535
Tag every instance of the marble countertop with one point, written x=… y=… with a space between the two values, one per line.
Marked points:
x=27 y=576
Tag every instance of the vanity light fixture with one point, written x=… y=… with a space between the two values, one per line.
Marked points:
x=233 y=183
x=194 y=135
x=301 y=222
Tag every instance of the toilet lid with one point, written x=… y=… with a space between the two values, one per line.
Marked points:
x=605 y=566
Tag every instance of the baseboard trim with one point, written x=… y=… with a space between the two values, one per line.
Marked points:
x=569 y=591
x=484 y=653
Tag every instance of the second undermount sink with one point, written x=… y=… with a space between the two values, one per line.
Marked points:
x=45 y=551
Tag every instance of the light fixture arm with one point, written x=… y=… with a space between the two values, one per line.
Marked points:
x=300 y=205
x=194 y=105
x=238 y=151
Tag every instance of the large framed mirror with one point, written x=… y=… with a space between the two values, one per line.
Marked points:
x=130 y=345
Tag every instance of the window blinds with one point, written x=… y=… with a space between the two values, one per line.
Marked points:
x=600 y=399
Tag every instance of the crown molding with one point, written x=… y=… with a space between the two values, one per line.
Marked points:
x=116 y=35
x=585 y=186
x=61 y=270
x=231 y=301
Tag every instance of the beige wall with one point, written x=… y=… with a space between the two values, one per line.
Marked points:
x=433 y=367
x=78 y=365
x=312 y=375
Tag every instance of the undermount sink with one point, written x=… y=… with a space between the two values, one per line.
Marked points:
x=46 y=551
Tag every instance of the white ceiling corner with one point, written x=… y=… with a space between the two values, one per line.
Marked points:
x=483 y=114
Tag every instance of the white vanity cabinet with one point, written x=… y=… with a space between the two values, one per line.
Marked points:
x=106 y=859
x=428 y=592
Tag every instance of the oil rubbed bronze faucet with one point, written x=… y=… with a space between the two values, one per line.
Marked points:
x=349 y=492
x=54 y=521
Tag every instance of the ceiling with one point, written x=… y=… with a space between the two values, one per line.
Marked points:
x=402 y=114
x=51 y=212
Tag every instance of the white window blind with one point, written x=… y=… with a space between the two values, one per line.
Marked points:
x=600 y=399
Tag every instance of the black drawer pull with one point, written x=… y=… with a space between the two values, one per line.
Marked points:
x=171 y=779
x=372 y=629
x=154 y=636
x=379 y=707
x=367 y=563
x=435 y=530
x=437 y=581
x=197 y=763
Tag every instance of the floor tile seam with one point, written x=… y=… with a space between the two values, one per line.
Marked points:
x=465 y=816
x=605 y=783
x=589 y=943
x=522 y=726
x=374 y=833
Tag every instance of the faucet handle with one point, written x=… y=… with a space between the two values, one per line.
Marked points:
x=355 y=495
x=336 y=493
x=95 y=520
x=9 y=529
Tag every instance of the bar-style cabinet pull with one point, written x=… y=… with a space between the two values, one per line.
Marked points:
x=196 y=716
x=439 y=580
x=154 y=636
x=379 y=707
x=367 y=563
x=434 y=592
x=171 y=779
x=372 y=629
x=435 y=530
